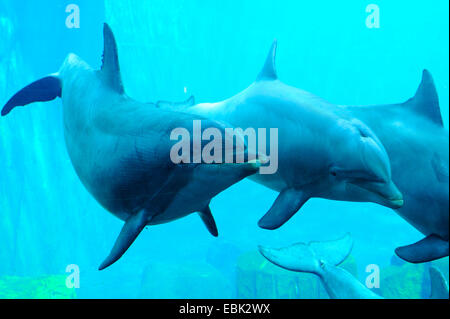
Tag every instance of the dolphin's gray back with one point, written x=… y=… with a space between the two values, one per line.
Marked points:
x=265 y=104
x=305 y=118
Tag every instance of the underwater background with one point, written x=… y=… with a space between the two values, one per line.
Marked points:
x=169 y=50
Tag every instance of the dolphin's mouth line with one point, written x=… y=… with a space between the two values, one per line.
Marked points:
x=397 y=202
x=394 y=200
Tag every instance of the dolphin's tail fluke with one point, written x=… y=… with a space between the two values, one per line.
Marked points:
x=439 y=286
x=309 y=257
x=45 y=89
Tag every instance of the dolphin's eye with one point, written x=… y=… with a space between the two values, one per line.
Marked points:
x=333 y=171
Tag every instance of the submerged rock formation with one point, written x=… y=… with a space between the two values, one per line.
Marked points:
x=42 y=287
x=402 y=280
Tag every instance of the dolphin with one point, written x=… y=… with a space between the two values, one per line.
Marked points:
x=323 y=259
x=411 y=133
x=417 y=143
x=120 y=148
x=321 y=153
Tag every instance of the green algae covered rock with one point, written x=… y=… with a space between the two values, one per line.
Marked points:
x=43 y=287
x=402 y=282
x=258 y=278
x=409 y=281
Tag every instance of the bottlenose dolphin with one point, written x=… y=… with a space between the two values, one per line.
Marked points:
x=417 y=143
x=412 y=134
x=321 y=154
x=323 y=258
x=120 y=148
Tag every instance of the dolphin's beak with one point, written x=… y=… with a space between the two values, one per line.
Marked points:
x=376 y=161
x=247 y=168
x=386 y=194
x=254 y=160
x=378 y=181
x=252 y=165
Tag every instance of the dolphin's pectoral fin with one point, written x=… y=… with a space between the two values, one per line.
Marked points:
x=45 y=89
x=189 y=102
x=208 y=219
x=288 y=202
x=430 y=248
x=269 y=71
x=110 y=71
x=132 y=228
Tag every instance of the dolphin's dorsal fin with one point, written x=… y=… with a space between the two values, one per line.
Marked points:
x=426 y=101
x=110 y=70
x=269 y=72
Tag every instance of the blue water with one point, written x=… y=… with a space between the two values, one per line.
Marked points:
x=212 y=49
